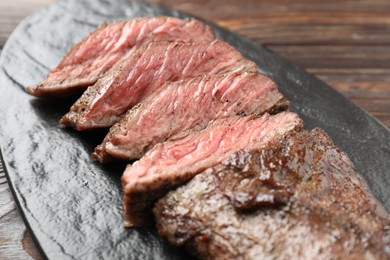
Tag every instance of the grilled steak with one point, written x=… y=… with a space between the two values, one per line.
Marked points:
x=99 y=51
x=172 y=163
x=189 y=104
x=145 y=71
x=296 y=198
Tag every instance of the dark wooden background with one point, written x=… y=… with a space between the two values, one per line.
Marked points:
x=345 y=43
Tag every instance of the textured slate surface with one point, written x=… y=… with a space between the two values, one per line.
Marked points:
x=73 y=204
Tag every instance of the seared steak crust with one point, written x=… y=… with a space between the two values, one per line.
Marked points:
x=298 y=198
x=170 y=164
x=189 y=104
x=89 y=59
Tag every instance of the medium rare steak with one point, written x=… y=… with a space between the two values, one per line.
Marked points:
x=170 y=164
x=89 y=59
x=147 y=69
x=295 y=198
x=189 y=104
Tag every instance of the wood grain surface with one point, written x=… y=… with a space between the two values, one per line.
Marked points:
x=345 y=43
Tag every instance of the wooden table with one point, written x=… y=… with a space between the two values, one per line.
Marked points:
x=345 y=43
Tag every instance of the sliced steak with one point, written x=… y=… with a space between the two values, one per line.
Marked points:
x=144 y=72
x=172 y=163
x=189 y=104
x=295 y=198
x=89 y=59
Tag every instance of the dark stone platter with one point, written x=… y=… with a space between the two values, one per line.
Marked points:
x=72 y=204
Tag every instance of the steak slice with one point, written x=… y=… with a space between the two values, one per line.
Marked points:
x=295 y=198
x=89 y=59
x=147 y=69
x=170 y=164
x=189 y=104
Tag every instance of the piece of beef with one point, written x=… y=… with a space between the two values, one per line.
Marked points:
x=147 y=69
x=89 y=59
x=172 y=163
x=189 y=104
x=295 y=198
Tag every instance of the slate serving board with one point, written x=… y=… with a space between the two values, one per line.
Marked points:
x=72 y=204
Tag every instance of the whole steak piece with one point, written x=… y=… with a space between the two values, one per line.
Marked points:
x=89 y=59
x=295 y=198
x=146 y=70
x=172 y=163
x=189 y=104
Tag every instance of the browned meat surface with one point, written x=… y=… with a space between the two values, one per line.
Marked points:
x=143 y=72
x=170 y=164
x=88 y=60
x=189 y=104
x=296 y=198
